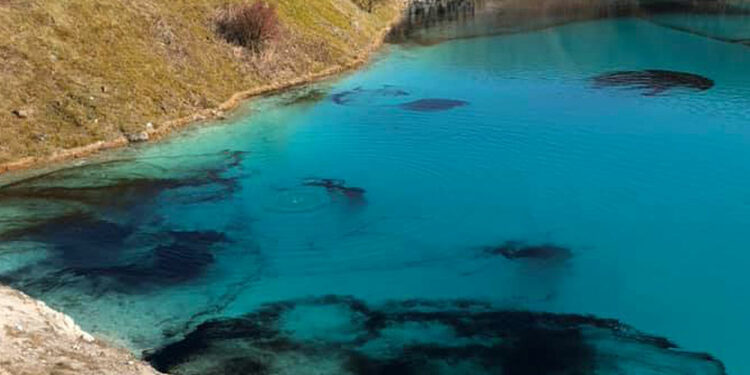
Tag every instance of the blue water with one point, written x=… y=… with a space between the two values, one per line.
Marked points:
x=649 y=193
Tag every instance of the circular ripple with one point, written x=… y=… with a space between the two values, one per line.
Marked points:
x=298 y=200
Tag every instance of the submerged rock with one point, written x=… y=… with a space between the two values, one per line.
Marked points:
x=421 y=337
x=433 y=105
x=653 y=81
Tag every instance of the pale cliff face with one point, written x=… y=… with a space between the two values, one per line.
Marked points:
x=35 y=339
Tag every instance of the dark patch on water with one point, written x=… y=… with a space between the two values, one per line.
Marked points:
x=653 y=81
x=433 y=105
x=187 y=257
x=78 y=238
x=105 y=233
x=424 y=337
x=516 y=250
x=337 y=188
x=105 y=186
x=179 y=257
x=364 y=96
x=125 y=189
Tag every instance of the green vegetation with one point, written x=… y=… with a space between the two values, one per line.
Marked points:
x=79 y=71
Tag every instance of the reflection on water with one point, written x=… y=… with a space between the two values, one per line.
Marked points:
x=482 y=201
x=434 y=21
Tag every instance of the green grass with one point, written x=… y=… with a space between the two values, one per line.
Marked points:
x=90 y=70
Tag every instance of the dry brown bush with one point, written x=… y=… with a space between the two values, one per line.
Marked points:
x=248 y=25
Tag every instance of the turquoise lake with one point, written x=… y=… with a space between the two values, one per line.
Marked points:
x=407 y=218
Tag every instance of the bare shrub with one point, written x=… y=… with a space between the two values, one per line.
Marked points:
x=248 y=25
x=367 y=5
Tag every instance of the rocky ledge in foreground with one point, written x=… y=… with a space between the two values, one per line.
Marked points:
x=36 y=340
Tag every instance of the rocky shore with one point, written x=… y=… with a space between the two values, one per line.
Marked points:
x=36 y=340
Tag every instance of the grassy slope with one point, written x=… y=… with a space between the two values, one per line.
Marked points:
x=89 y=70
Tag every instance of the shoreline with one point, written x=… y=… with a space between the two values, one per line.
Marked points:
x=154 y=134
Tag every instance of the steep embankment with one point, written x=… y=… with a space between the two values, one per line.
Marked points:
x=77 y=72
x=36 y=340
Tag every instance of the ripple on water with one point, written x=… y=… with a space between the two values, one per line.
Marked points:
x=298 y=200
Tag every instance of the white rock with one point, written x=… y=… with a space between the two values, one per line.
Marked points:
x=68 y=322
x=22 y=113
x=87 y=338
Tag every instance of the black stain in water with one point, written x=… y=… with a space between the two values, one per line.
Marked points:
x=108 y=235
x=653 y=81
x=337 y=188
x=516 y=250
x=178 y=257
x=487 y=339
x=78 y=238
x=187 y=257
x=433 y=105
x=369 y=97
